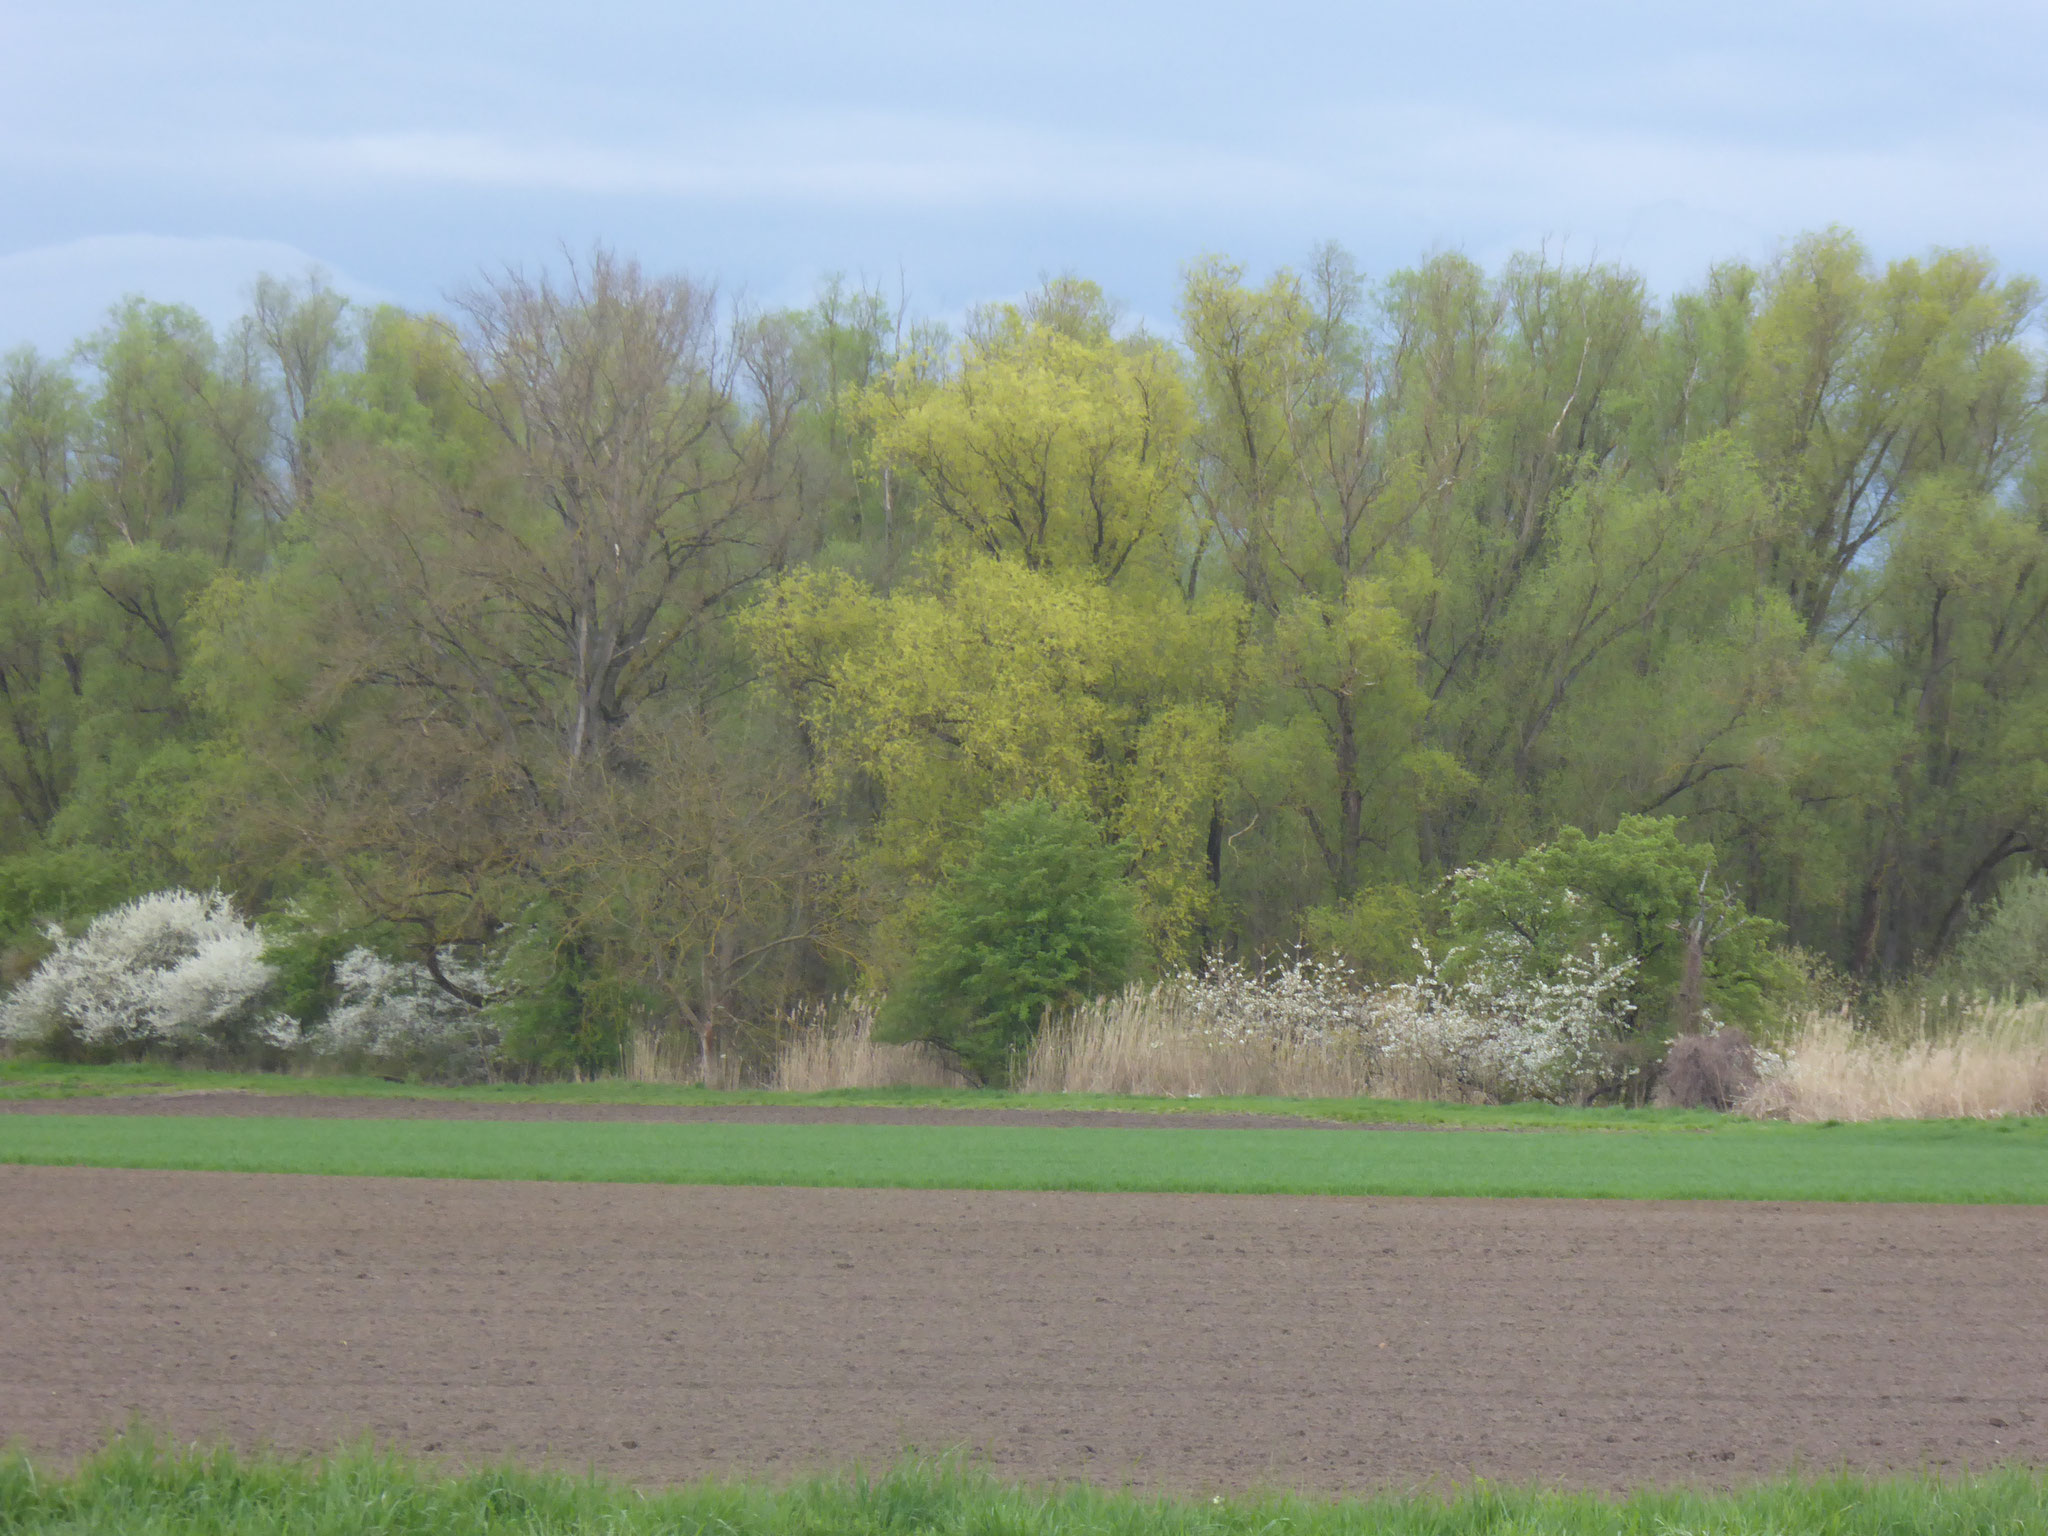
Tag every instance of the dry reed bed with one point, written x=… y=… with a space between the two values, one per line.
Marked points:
x=1150 y=1042
x=839 y=1051
x=674 y=1057
x=1144 y=1041
x=1993 y=1064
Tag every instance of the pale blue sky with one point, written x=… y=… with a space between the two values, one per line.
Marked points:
x=179 y=150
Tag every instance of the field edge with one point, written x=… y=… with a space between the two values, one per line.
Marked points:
x=1903 y=1162
x=144 y=1479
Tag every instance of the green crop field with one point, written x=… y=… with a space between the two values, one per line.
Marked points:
x=1946 y=1161
x=133 y=1489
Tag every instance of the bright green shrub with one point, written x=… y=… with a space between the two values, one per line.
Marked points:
x=1633 y=892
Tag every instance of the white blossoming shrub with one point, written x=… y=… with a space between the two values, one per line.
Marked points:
x=173 y=969
x=1504 y=1030
x=1300 y=1001
x=1491 y=1025
x=393 y=1013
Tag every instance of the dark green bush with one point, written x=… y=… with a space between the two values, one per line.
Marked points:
x=1040 y=917
x=560 y=1014
x=59 y=884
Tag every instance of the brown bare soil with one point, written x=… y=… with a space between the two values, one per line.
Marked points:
x=1181 y=1341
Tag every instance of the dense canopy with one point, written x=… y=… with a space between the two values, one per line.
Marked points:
x=669 y=653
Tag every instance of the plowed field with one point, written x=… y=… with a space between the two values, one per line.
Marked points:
x=1183 y=1341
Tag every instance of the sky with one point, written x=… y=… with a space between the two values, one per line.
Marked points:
x=960 y=152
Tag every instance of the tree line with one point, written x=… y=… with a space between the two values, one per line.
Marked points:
x=664 y=655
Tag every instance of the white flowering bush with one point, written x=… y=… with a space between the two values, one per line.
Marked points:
x=1499 y=1026
x=1475 y=1022
x=393 y=1012
x=172 y=969
x=1300 y=1001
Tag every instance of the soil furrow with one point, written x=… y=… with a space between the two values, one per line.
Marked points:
x=1181 y=1341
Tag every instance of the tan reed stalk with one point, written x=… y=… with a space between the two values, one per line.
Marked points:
x=654 y=1056
x=836 y=1049
x=1995 y=1063
x=1146 y=1040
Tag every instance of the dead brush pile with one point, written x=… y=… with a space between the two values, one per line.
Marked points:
x=1993 y=1063
x=1714 y=1070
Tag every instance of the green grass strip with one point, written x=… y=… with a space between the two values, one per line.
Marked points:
x=28 y=1079
x=1939 y=1161
x=136 y=1490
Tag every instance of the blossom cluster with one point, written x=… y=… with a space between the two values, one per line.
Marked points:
x=1299 y=1001
x=394 y=1010
x=183 y=970
x=1496 y=1024
x=171 y=968
x=1489 y=1021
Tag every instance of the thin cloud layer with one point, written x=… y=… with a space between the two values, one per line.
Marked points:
x=971 y=151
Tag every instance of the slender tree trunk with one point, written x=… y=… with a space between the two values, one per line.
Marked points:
x=1692 y=979
x=1350 y=801
x=1870 y=918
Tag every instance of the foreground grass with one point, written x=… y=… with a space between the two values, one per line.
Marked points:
x=2002 y=1162
x=135 y=1489
x=23 y=1079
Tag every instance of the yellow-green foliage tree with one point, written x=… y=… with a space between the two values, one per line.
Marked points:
x=1046 y=440
x=1044 y=650
x=1305 y=500
x=988 y=682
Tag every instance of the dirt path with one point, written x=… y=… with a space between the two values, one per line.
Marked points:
x=314 y=1106
x=1187 y=1341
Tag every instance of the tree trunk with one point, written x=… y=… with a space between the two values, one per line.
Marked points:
x=1350 y=802
x=1692 y=982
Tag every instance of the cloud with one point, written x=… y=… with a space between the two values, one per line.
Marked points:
x=848 y=160
x=53 y=294
x=1670 y=202
x=795 y=158
x=974 y=151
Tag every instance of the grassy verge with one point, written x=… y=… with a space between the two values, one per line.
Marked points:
x=50 y=1080
x=134 y=1489
x=1940 y=1161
